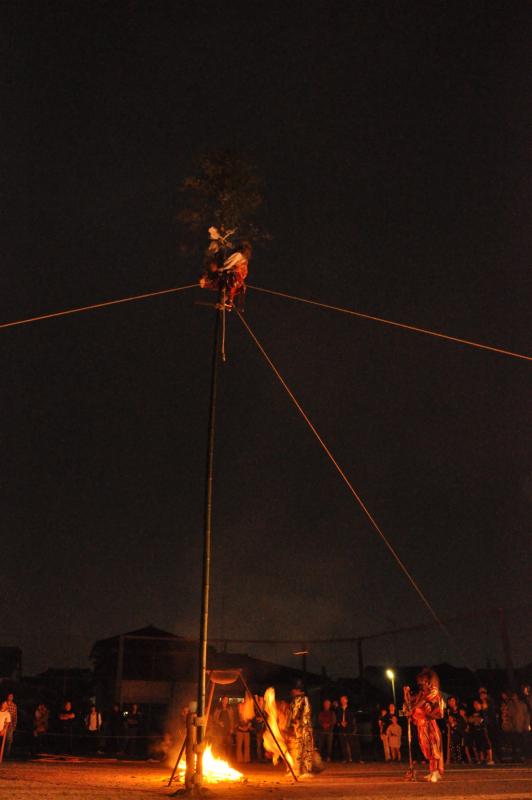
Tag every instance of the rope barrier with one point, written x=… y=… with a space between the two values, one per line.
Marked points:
x=395 y=324
x=353 y=491
x=94 y=306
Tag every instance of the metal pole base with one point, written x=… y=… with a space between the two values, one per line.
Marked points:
x=410 y=774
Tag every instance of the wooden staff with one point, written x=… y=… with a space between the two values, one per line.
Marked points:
x=411 y=773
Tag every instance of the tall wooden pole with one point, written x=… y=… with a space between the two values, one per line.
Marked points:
x=207 y=536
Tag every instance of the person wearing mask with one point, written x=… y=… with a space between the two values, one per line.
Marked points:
x=425 y=708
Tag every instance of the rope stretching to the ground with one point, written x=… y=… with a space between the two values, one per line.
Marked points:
x=95 y=306
x=353 y=491
x=391 y=322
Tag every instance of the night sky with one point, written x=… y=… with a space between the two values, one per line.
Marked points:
x=393 y=141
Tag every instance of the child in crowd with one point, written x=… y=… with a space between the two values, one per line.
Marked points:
x=393 y=734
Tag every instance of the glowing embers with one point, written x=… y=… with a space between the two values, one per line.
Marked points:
x=215 y=770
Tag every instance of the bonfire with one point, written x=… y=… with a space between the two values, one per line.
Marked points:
x=215 y=770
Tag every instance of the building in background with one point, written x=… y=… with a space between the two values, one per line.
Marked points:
x=158 y=670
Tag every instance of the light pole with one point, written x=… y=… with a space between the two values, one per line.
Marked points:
x=391 y=675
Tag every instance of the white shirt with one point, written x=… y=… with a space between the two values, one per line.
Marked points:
x=94 y=721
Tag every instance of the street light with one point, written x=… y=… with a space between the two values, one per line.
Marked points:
x=391 y=675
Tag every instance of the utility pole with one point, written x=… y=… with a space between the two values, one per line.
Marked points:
x=508 y=662
x=361 y=669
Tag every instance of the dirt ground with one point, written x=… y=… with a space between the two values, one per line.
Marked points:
x=111 y=780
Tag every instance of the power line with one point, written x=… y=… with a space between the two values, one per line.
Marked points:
x=395 y=324
x=95 y=306
x=353 y=491
x=472 y=615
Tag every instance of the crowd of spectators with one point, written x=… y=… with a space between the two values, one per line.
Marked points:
x=484 y=731
x=478 y=731
x=71 y=731
x=481 y=730
x=337 y=731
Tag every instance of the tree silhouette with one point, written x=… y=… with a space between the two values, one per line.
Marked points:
x=224 y=192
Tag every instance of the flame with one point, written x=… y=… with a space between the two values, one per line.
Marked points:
x=275 y=714
x=215 y=770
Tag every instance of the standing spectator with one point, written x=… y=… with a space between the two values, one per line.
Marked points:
x=67 y=718
x=479 y=732
x=223 y=726
x=467 y=735
x=527 y=697
x=519 y=722
x=375 y=732
x=394 y=733
x=41 y=719
x=504 y=724
x=93 y=725
x=326 y=723
x=346 y=728
x=133 y=730
x=383 y=723
x=258 y=727
x=492 y=727
x=243 y=737
x=13 y=710
x=455 y=732
x=335 y=705
x=115 y=727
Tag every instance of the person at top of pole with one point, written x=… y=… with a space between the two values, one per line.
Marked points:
x=226 y=265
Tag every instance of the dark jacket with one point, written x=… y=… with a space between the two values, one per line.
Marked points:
x=349 y=717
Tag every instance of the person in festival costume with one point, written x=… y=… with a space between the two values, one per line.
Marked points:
x=214 y=258
x=299 y=731
x=220 y=268
x=425 y=708
x=236 y=267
